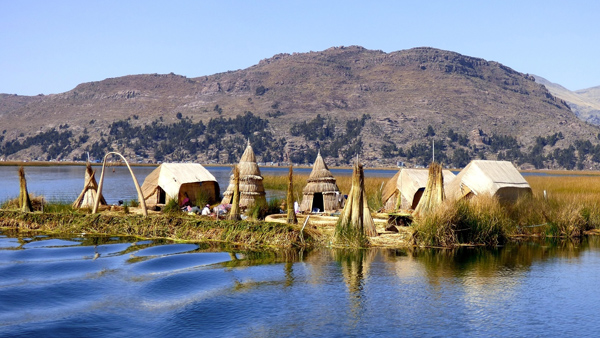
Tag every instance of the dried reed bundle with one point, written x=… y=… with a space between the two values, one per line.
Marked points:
x=356 y=222
x=24 y=200
x=90 y=189
x=291 y=213
x=433 y=195
x=234 y=213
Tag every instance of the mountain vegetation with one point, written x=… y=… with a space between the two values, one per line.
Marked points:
x=386 y=108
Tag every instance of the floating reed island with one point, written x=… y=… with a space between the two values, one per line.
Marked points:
x=487 y=203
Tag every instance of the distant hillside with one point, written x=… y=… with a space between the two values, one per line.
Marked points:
x=347 y=101
x=584 y=103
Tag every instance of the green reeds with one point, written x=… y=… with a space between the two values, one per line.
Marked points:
x=171 y=207
x=479 y=221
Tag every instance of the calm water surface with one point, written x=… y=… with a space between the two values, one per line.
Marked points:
x=116 y=287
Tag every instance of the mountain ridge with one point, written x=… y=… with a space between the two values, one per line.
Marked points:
x=403 y=93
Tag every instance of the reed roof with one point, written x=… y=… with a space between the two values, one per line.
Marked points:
x=320 y=179
x=320 y=171
x=248 y=165
x=250 y=180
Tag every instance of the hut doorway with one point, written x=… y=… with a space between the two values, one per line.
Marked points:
x=417 y=198
x=318 y=202
x=162 y=196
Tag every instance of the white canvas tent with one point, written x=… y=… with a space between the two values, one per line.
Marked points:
x=497 y=178
x=410 y=183
x=176 y=180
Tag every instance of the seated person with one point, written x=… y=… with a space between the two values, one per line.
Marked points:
x=185 y=202
x=206 y=210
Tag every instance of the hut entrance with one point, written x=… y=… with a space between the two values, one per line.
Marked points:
x=417 y=198
x=318 y=202
x=162 y=196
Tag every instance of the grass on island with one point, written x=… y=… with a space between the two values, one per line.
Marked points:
x=570 y=207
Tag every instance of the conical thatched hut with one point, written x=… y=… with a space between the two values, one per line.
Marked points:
x=252 y=191
x=410 y=184
x=321 y=192
x=90 y=190
x=176 y=180
x=497 y=178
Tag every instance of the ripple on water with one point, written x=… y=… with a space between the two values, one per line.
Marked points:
x=47 y=243
x=6 y=243
x=48 y=272
x=166 y=249
x=180 y=289
x=179 y=262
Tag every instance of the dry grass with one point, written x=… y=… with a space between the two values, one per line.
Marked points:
x=182 y=228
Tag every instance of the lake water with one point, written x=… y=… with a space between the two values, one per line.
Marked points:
x=64 y=183
x=117 y=287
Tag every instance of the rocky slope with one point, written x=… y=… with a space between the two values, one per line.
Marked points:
x=584 y=103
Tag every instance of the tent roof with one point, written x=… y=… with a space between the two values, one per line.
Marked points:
x=482 y=176
x=170 y=177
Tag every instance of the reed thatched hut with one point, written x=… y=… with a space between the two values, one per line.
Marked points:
x=321 y=192
x=178 y=181
x=90 y=190
x=497 y=178
x=410 y=185
x=252 y=190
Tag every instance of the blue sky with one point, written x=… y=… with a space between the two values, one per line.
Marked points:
x=52 y=46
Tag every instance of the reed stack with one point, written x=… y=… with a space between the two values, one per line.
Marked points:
x=356 y=222
x=433 y=195
x=24 y=200
x=234 y=213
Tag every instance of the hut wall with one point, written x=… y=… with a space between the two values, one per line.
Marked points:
x=199 y=191
x=511 y=194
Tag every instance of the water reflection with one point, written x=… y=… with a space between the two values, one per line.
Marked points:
x=158 y=287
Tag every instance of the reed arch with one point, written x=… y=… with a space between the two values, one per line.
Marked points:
x=135 y=182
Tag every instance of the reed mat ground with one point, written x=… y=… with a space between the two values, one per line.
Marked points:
x=174 y=227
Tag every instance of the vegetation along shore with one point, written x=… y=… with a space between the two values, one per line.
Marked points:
x=560 y=206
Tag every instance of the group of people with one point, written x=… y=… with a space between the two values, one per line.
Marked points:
x=219 y=210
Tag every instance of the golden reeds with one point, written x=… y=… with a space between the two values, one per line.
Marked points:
x=90 y=189
x=24 y=200
x=355 y=223
x=433 y=195
x=252 y=191
x=291 y=213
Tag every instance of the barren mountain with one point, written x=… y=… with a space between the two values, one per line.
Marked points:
x=584 y=103
x=401 y=93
